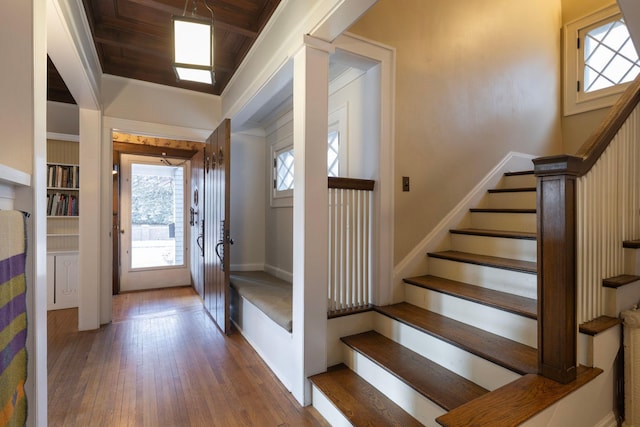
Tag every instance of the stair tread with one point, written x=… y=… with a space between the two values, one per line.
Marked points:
x=358 y=400
x=438 y=384
x=527 y=172
x=619 y=281
x=512 y=190
x=512 y=355
x=515 y=402
x=502 y=300
x=495 y=233
x=486 y=260
x=599 y=324
x=503 y=210
x=631 y=244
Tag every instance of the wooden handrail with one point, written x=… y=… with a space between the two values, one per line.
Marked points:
x=351 y=183
x=589 y=153
x=557 y=234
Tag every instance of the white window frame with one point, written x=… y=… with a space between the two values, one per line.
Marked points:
x=577 y=101
x=282 y=198
x=338 y=122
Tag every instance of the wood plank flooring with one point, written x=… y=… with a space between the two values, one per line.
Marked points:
x=162 y=362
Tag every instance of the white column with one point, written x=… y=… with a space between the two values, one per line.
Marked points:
x=310 y=214
x=90 y=221
x=23 y=48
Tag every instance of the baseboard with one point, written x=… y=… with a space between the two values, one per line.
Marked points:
x=608 y=421
x=247 y=267
x=415 y=263
x=279 y=273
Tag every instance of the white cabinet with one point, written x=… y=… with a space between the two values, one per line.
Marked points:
x=62 y=280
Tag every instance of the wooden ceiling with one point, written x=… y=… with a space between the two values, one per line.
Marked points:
x=133 y=38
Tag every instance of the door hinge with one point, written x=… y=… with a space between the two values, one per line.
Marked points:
x=274 y=184
x=275 y=163
x=578 y=86
x=578 y=43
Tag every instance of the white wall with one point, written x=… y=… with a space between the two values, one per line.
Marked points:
x=139 y=101
x=63 y=118
x=247 y=202
x=474 y=81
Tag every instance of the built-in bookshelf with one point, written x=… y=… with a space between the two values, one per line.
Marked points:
x=63 y=195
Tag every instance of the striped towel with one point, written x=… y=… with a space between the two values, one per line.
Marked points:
x=13 y=319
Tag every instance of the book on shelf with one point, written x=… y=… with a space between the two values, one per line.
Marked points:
x=61 y=204
x=63 y=176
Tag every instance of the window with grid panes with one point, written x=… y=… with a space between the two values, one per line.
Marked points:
x=600 y=61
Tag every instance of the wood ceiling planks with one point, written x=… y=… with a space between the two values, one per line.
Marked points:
x=133 y=38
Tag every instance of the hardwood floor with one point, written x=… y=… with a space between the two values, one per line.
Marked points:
x=162 y=362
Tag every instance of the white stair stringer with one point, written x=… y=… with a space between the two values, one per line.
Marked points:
x=503 y=247
x=514 y=282
x=474 y=368
x=499 y=322
x=324 y=406
x=513 y=200
x=525 y=222
x=414 y=403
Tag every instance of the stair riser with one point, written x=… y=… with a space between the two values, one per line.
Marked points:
x=395 y=389
x=474 y=368
x=525 y=250
x=323 y=405
x=499 y=322
x=621 y=299
x=513 y=200
x=504 y=221
x=518 y=181
x=632 y=261
x=514 y=282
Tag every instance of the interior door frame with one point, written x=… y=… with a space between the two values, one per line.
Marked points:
x=152 y=277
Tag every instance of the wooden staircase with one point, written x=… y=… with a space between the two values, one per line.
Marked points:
x=465 y=331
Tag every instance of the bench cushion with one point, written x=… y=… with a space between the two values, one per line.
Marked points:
x=270 y=294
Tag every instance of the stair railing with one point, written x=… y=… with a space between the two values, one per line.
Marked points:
x=587 y=205
x=350 y=228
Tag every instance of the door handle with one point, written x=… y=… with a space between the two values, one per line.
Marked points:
x=218 y=253
x=200 y=243
x=122 y=231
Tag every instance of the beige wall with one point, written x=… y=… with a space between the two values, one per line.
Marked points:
x=578 y=127
x=475 y=80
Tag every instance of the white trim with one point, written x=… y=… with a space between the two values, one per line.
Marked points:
x=63 y=136
x=383 y=208
x=279 y=273
x=609 y=420
x=14 y=177
x=415 y=262
x=246 y=267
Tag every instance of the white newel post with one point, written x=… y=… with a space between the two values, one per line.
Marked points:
x=631 y=319
x=310 y=215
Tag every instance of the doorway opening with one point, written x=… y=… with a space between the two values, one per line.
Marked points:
x=151 y=234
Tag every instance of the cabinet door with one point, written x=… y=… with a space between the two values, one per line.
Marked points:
x=62 y=281
x=51 y=280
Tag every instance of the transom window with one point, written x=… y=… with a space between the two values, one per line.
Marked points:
x=610 y=57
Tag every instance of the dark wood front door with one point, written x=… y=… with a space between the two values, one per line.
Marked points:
x=217 y=225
